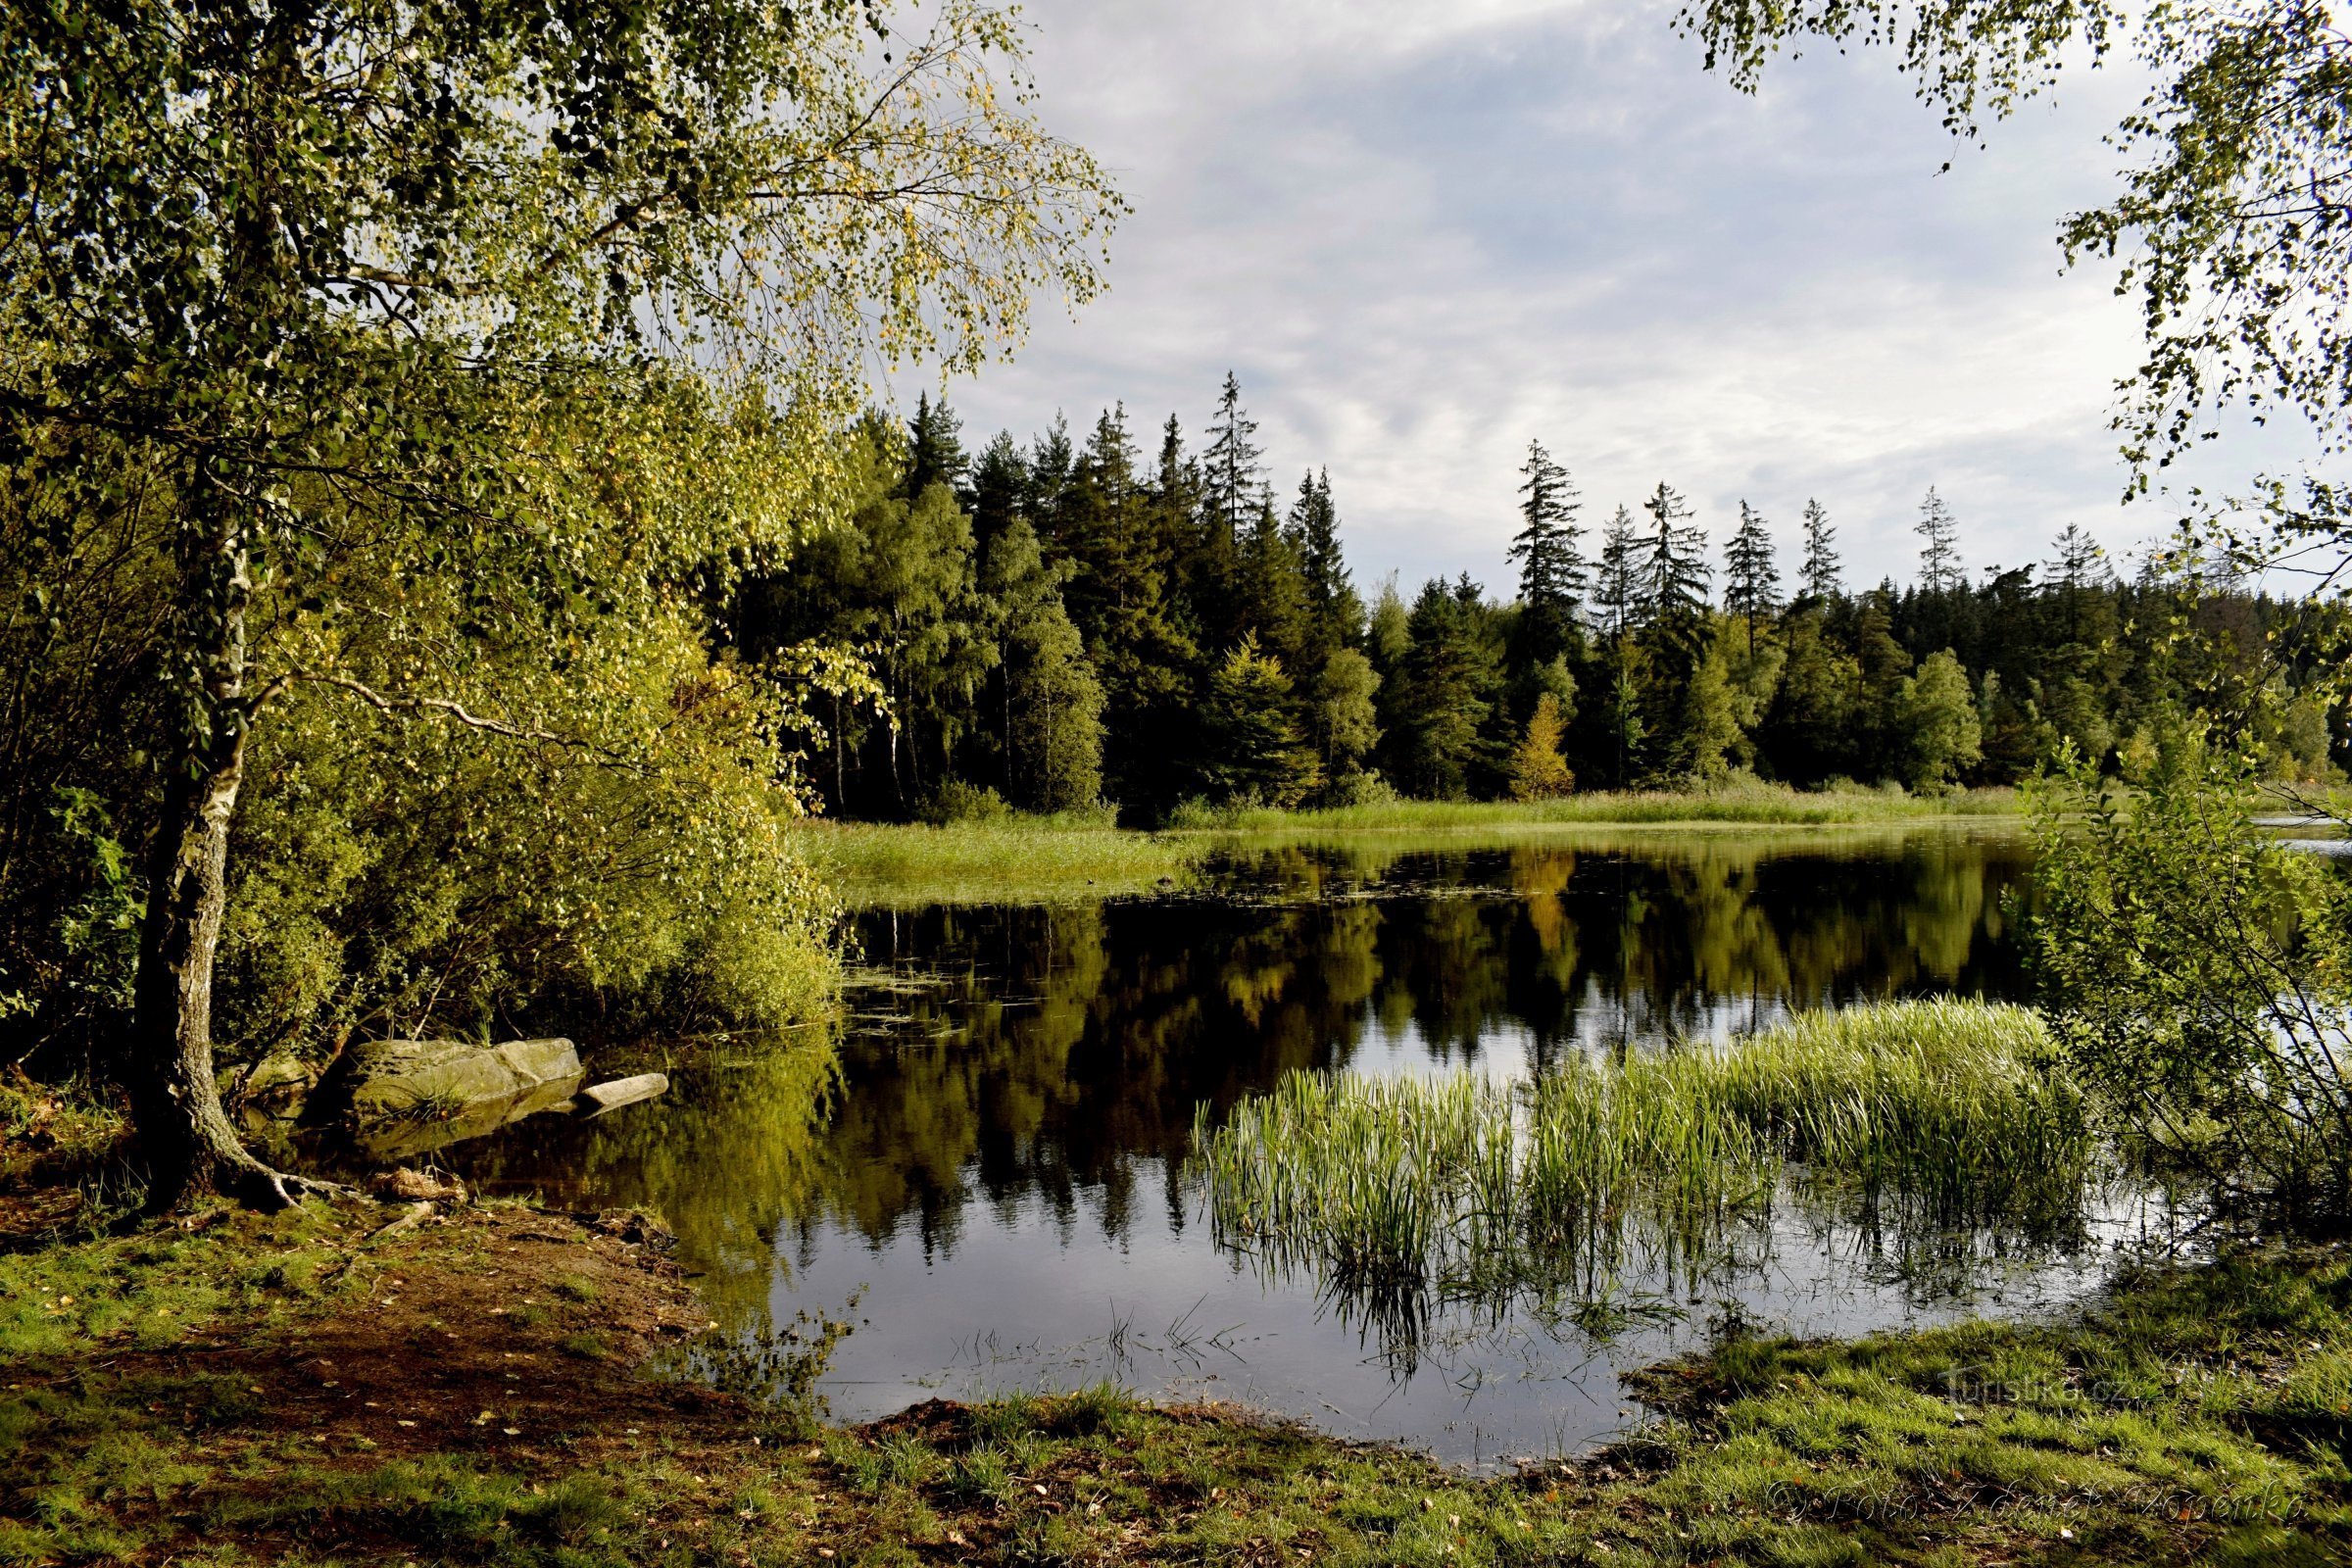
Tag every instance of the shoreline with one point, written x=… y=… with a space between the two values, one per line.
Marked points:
x=1064 y=860
x=496 y=1384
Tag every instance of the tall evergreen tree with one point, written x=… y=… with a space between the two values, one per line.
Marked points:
x=997 y=487
x=1619 y=598
x=1674 y=566
x=1107 y=534
x=1551 y=570
x=1335 y=613
x=1274 y=593
x=1752 y=579
x=1939 y=552
x=935 y=452
x=1234 y=479
x=1820 y=577
x=1445 y=697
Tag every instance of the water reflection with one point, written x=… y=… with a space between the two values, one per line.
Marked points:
x=997 y=1145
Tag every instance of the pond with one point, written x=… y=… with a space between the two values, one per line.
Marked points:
x=999 y=1179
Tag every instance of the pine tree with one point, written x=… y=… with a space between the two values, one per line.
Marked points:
x=997 y=490
x=1751 y=581
x=1820 y=577
x=1335 y=613
x=1939 y=557
x=1618 y=592
x=1234 y=480
x=934 y=448
x=1674 y=566
x=1551 y=570
x=1254 y=749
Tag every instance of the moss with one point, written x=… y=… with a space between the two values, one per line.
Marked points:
x=2198 y=1411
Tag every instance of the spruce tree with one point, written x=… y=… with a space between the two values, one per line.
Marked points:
x=1939 y=556
x=997 y=489
x=1444 y=705
x=1254 y=748
x=1618 y=599
x=1551 y=570
x=1233 y=478
x=934 y=448
x=2078 y=568
x=1674 y=567
x=1273 y=588
x=1336 y=615
x=1052 y=463
x=1821 y=577
x=1752 y=581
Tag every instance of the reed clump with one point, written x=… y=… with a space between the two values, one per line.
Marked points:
x=1949 y=1111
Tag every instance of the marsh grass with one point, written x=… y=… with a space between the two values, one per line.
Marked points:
x=1011 y=861
x=1080 y=858
x=1950 y=1111
x=1748 y=801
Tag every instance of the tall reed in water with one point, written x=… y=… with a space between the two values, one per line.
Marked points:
x=1955 y=1107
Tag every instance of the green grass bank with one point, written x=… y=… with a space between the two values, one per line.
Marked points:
x=1080 y=859
x=301 y=1391
x=491 y=1384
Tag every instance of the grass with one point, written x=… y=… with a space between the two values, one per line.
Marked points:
x=1466 y=1187
x=1026 y=859
x=1745 y=802
x=1008 y=860
x=2198 y=1412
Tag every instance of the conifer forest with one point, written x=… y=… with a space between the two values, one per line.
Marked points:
x=1133 y=620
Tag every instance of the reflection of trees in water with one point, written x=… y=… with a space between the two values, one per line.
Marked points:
x=1054 y=1055
x=726 y=1158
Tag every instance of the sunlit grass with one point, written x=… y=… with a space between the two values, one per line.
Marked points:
x=1955 y=1109
x=1080 y=859
x=1010 y=860
x=1748 y=801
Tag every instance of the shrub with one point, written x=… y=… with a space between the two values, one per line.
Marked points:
x=2198 y=972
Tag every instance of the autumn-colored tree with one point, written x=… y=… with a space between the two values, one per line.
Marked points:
x=1537 y=769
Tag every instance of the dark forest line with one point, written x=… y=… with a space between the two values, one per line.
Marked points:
x=1070 y=622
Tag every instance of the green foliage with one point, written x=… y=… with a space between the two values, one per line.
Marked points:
x=2199 y=973
x=443 y=364
x=1935 y=717
x=1346 y=720
x=1255 y=751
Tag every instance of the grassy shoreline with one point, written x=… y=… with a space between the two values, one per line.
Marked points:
x=1052 y=859
x=310 y=1389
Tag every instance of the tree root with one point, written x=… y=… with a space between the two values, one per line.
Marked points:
x=257 y=1186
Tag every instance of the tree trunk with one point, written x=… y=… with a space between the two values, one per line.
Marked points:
x=185 y=1136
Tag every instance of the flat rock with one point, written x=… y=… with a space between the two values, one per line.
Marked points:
x=405 y=1097
x=598 y=1099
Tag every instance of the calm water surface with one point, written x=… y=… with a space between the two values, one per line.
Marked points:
x=999 y=1174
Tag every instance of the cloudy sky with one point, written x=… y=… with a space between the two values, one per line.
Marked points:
x=1424 y=234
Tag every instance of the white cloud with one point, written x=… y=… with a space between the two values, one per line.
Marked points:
x=1424 y=234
